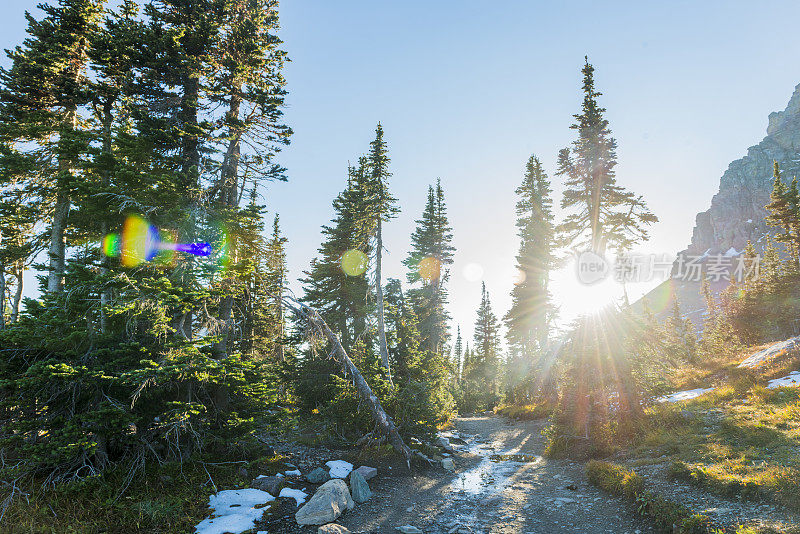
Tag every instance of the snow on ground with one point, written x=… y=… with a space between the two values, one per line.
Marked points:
x=339 y=468
x=296 y=494
x=793 y=379
x=774 y=350
x=684 y=395
x=233 y=511
x=293 y=473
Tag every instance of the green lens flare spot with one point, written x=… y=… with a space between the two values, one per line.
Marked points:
x=111 y=245
x=354 y=263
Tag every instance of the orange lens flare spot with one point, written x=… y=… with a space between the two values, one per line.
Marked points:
x=430 y=269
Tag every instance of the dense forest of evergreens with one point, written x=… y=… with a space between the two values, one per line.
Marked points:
x=137 y=144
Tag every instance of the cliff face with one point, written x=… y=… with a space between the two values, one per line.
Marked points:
x=737 y=211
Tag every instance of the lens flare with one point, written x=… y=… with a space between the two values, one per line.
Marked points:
x=136 y=241
x=519 y=277
x=354 y=262
x=141 y=242
x=111 y=245
x=430 y=269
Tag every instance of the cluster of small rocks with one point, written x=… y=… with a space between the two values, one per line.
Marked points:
x=334 y=497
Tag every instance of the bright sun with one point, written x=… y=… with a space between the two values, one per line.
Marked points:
x=574 y=298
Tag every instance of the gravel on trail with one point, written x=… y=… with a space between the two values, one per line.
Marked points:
x=502 y=485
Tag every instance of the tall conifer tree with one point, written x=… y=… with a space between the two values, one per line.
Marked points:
x=601 y=213
x=380 y=206
x=427 y=262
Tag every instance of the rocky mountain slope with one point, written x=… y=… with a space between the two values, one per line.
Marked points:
x=737 y=212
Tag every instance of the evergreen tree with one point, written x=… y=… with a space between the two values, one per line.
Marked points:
x=681 y=337
x=431 y=253
x=342 y=298
x=42 y=95
x=784 y=212
x=712 y=308
x=380 y=206
x=458 y=356
x=103 y=117
x=485 y=364
x=601 y=213
x=528 y=320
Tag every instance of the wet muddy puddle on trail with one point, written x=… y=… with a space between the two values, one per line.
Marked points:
x=495 y=471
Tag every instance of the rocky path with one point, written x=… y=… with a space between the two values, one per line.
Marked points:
x=502 y=485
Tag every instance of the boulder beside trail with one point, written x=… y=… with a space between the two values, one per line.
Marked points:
x=359 y=488
x=318 y=476
x=367 y=472
x=328 y=503
x=271 y=484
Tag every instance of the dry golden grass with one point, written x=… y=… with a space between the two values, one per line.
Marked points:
x=741 y=439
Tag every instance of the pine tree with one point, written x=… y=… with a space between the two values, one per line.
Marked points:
x=528 y=320
x=712 y=308
x=342 y=299
x=602 y=214
x=486 y=344
x=680 y=334
x=458 y=356
x=431 y=253
x=783 y=211
x=42 y=94
x=380 y=207
x=246 y=80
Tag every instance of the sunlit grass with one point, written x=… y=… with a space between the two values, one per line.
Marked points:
x=740 y=440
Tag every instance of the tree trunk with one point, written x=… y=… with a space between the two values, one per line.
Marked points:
x=380 y=417
x=2 y=296
x=229 y=176
x=105 y=292
x=56 y=251
x=19 y=271
x=379 y=290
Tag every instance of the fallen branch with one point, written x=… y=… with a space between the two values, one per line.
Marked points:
x=380 y=417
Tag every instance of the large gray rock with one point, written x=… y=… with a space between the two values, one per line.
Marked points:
x=332 y=528
x=318 y=476
x=359 y=488
x=270 y=484
x=328 y=503
x=367 y=472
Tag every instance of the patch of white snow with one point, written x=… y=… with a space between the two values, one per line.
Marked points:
x=339 y=468
x=684 y=395
x=793 y=379
x=234 y=511
x=293 y=473
x=296 y=494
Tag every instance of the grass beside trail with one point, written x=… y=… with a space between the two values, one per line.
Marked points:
x=527 y=412
x=742 y=440
x=166 y=499
x=667 y=515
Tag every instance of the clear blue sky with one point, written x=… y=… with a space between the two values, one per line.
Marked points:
x=466 y=91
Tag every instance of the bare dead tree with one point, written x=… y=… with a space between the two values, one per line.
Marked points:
x=318 y=326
